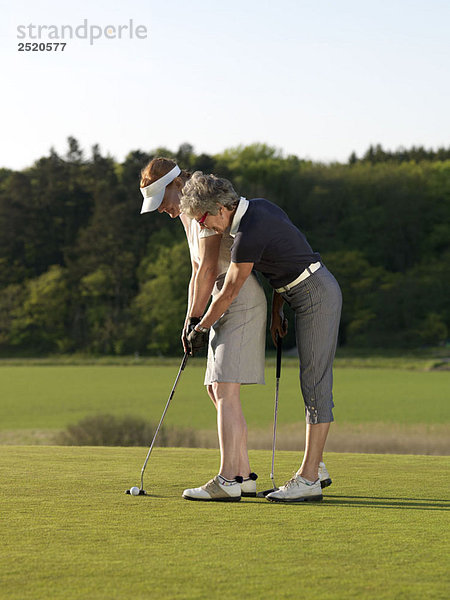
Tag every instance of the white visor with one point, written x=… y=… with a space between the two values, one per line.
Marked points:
x=154 y=193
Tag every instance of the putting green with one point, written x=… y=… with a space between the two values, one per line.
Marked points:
x=69 y=531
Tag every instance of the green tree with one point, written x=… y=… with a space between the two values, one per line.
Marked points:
x=381 y=224
x=40 y=322
x=159 y=309
x=359 y=281
x=12 y=298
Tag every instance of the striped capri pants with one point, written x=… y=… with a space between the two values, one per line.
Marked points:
x=317 y=303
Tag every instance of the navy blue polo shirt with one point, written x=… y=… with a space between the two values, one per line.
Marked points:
x=265 y=236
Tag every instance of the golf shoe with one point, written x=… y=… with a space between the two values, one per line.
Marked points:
x=216 y=490
x=248 y=486
x=297 y=489
x=324 y=476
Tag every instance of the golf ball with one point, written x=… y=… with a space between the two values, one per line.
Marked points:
x=134 y=491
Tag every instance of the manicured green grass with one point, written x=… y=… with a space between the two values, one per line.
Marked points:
x=69 y=531
x=51 y=397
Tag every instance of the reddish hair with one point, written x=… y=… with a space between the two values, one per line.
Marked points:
x=157 y=168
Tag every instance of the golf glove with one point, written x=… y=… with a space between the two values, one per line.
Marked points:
x=189 y=325
x=196 y=340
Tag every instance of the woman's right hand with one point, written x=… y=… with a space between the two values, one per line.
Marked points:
x=278 y=326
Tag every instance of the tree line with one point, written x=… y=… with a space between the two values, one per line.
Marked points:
x=82 y=271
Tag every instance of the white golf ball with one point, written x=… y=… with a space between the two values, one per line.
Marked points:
x=134 y=491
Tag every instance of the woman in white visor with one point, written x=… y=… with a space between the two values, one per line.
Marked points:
x=237 y=339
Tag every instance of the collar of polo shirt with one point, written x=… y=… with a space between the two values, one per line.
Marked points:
x=240 y=212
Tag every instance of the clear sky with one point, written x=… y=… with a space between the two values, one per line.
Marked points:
x=316 y=78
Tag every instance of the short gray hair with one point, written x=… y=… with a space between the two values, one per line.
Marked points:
x=207 y=193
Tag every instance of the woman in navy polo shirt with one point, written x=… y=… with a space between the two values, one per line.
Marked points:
x=266 y=240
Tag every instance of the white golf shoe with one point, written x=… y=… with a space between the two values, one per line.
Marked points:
x=324 y=476
x=216 y=490
x=297 y=489
x=248 y=486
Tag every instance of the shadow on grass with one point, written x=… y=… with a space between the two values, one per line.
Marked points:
x=381 y=502
x=356 y=501
x=439 y=504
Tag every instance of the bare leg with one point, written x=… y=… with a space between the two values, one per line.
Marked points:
x=316 y=436
x=209 y=389
x=244 y=463
x=232 y=430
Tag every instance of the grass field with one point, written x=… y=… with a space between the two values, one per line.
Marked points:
x=52 y=397
x=69 y=531
x=376 y=409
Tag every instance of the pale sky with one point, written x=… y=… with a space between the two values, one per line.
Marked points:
x=315 y=78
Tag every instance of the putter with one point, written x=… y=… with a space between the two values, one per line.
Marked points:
x=142 y=492
x=274 y=440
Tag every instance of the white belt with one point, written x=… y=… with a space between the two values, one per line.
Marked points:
x=306 y=273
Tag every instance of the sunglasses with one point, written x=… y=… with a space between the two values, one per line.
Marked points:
x=201 y=221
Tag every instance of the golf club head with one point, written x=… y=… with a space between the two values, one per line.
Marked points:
x=265 y=492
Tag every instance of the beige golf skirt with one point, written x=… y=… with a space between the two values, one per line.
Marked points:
x=237 y=341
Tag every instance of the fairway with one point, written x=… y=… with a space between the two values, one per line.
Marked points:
x=52 y=397
x=69 y=531
x=376 y=410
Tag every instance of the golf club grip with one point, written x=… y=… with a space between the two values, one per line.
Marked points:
x=184 y=361
x=279 y=350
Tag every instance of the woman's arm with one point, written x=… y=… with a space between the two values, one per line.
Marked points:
x=194 y=266
x=236 y=276
x=184 y=332
x=206 y=274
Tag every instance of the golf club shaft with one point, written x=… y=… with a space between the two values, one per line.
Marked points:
x=278 y=375
x=274 y=439
x=183 y=364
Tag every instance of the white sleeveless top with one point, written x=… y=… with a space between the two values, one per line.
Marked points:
x=194 y=232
